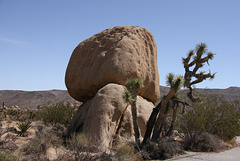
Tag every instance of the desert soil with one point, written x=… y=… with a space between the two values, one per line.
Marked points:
x=228 y=155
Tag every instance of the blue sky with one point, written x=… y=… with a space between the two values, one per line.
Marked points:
x=37 y=37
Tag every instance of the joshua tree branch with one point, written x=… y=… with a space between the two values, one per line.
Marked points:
x=198 y=62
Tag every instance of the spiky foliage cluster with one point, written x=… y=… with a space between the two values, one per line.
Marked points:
x=23 y=127
x=175 y=82
x=133 y=85
x=127 y=97
x=195 y=60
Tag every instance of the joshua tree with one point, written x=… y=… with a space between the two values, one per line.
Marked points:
x=130 y=96
x=196 y=63
x=158 y=115
x=161 y=109
x=175 y=105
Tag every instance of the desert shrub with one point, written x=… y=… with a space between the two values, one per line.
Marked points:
x=80 y=148
x=3 y=156
x=13 y=114
x=215 y=116
x=127 y=153
x=2 y=115
x=37 y=147
x=203 y=142
x=8 y=145
x=78 y=141
x=18 y=115
x=79 y=145
x=57 y=113
x=7 y=156
x=26 y=115
x=23 y=127
x=164 y=149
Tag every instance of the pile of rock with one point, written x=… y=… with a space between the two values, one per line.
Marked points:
x=96 y=75
x=16 y=107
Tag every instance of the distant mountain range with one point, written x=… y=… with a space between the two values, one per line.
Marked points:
x=230 y=94
x=33 y=99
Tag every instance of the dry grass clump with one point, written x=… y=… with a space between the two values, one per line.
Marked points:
x=8 y=145
x=164 y=149
x=7 y=156
x=203 y=142
x=79 y=147
x=37 y=147
x=127 y=153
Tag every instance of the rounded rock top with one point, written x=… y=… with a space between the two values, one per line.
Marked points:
x=113 y=56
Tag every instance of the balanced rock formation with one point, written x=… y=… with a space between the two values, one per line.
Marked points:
x=106 y=116
x=113 y=56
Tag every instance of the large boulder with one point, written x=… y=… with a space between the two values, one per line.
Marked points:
x=113 y=56
x=106 y=116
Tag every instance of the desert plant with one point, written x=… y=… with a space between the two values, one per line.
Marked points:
x=23 y=127
x=163 y=149
x=36 y=147
x=7 y=156
x=203 y=142
x=14 y=114
x=196 y=64
x=130 y=96
x=158 y=115
x=56 y=113
x=215 y=116
x=80 y=146
x=127 y=153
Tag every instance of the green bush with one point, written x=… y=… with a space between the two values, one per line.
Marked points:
x=57 y=113
x=7 y=156
x=17 y=115
x=13 y=114
x=215 y=116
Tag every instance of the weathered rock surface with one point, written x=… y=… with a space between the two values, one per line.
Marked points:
x=103 y=116
x=113 y=56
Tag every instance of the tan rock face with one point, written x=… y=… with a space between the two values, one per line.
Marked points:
x=113 y=56
x=103 y=117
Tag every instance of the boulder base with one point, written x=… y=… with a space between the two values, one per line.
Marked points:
x=107 y=116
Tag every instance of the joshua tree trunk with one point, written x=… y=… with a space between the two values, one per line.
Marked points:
x=157 y=131
x=135 y=121
x=174 y=117
x=150 y=124
x=118 y=124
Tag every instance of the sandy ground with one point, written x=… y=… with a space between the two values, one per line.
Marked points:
x=228 y=155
